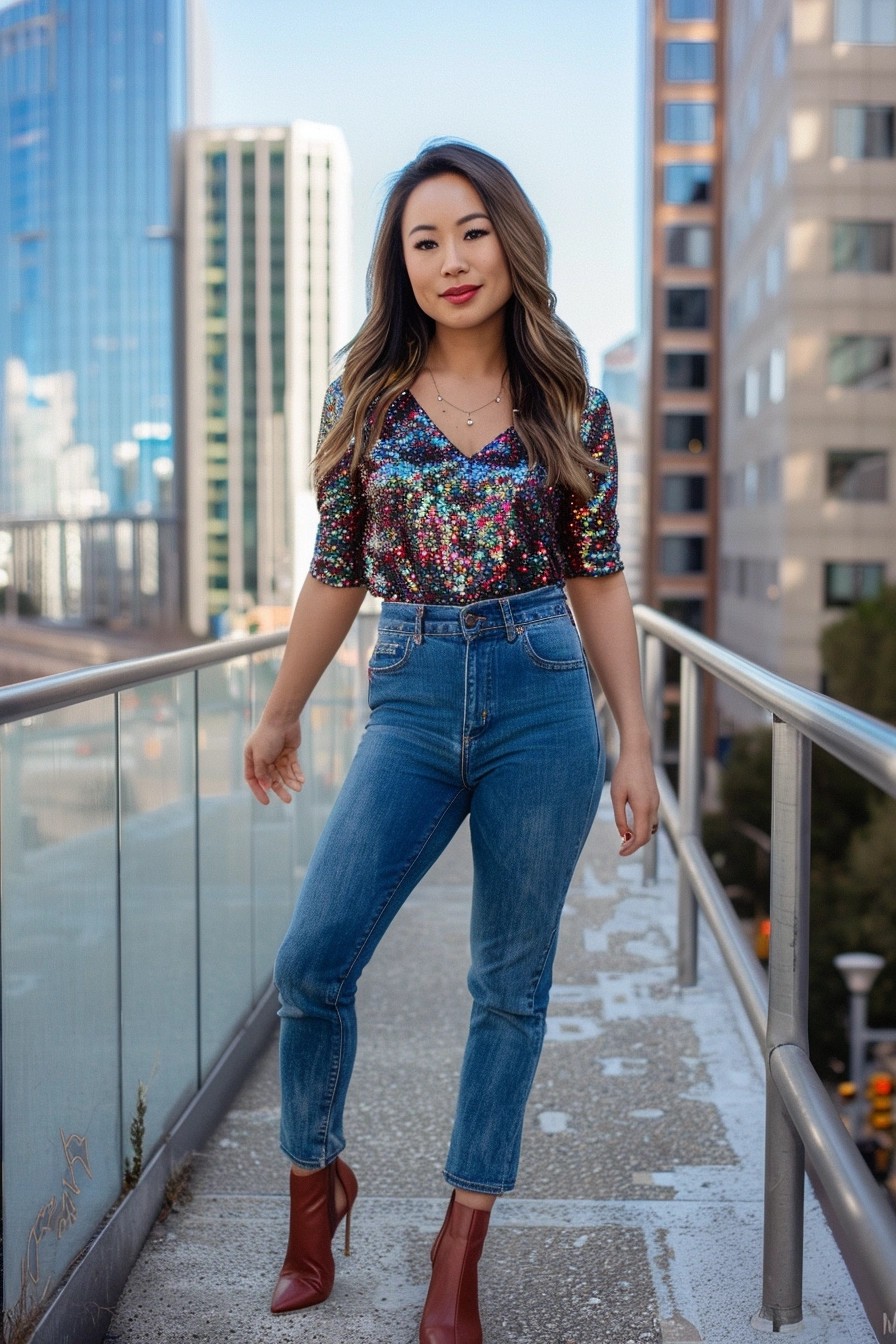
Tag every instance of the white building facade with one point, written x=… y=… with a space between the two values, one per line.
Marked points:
x=266 y=305
x=808 y=514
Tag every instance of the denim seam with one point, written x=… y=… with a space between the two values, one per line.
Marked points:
x=552 y=664
x=478 y=1187
x=401 y=626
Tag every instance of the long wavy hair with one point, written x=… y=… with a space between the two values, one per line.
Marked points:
x=545 y=364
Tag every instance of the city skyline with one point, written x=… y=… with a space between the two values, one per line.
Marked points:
x=553 y=94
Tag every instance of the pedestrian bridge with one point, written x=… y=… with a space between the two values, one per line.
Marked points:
x=143 y=896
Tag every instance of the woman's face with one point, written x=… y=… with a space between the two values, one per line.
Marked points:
x=454 y=259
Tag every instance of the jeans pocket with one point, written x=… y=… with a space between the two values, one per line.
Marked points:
x=390 y=653
x=554 y=645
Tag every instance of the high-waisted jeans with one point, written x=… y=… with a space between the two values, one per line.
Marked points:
x=482 y=710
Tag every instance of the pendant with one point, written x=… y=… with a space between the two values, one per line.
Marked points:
x=470 y=421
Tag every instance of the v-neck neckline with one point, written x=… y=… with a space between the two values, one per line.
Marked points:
x=468 y=457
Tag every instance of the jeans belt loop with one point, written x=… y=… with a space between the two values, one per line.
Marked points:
x=418 y=625
x=507 y=613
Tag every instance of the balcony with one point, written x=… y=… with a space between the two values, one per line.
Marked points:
x=143 y=898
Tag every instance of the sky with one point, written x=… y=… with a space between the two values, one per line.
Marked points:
x=549 y=88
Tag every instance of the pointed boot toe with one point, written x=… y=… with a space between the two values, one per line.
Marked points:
x=308 y=1271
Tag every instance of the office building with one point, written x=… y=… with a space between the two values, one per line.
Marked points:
x=93 y=95
x=267 y=304
x=682 y=192
x=808 y=522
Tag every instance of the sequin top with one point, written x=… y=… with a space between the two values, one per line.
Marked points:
x=422 y=522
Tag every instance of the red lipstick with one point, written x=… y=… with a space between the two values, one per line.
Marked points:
x=460 y=294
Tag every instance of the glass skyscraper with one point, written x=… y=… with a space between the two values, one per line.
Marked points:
x=93 y=94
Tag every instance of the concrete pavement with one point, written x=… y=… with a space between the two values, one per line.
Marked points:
x=637 y=1216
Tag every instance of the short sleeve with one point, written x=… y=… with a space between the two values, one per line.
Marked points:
x=338 y=558
x=587 y=529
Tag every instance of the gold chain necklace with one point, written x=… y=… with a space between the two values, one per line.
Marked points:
x=476 y=409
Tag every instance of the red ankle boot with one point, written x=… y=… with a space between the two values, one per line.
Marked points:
x=451 y=1311
x=308 y=1270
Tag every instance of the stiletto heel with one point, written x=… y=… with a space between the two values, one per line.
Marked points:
x=308 y=1271
x=348 y=1230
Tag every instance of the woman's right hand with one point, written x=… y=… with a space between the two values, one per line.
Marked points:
x=270 y=761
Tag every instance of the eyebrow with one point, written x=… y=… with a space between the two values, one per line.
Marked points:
x=465 y=219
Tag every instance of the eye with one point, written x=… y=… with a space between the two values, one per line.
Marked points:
x=476 y=233
x=425 y=245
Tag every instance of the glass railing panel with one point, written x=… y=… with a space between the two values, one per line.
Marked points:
x=279 y=836
x=284 y=836
x=159 y=1010
x=225 y=871
x=61 y=1080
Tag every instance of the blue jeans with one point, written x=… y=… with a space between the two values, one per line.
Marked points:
x=485 y=710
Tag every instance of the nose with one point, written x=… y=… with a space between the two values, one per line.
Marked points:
x=452 y=261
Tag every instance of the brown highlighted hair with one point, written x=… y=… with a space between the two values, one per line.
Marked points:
x=545 y=363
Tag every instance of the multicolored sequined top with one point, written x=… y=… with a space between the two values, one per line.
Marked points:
x=422 y=522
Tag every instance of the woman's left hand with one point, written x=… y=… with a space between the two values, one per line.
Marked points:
x=635 y=798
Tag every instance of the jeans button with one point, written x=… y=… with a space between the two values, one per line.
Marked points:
x=471 y=617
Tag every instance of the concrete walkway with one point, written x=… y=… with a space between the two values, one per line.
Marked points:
x=637 y=1217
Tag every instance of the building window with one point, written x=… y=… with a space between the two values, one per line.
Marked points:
x=779 y=157
x=682 y=555
x=678 y=10
x=689 y=245
x=683 y=494
x=687 y=183
x=857 y=475
x=774 y=269
x=687 y=62
x=860 y=361
x=687 y=369
x=686 y=610
x=862 y=245
x=871 y=21
x=865 y=132
x=751 y=105
x=748 y=576
x=750 y=401
x=685 y=432
x=845 y=584
x=780 y=49
x=687 y=308
x=690 y=123
x=777 y=375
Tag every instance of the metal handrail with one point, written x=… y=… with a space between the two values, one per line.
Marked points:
x=801 y=1119
x=25 y=698
x=864 y=743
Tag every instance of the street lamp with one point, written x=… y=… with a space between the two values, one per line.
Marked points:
x=860 y=970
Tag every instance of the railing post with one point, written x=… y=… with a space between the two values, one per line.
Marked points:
x=652 y=679
x=689 y=791
x=788 y=981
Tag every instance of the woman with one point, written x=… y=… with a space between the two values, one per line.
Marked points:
x=466 y=474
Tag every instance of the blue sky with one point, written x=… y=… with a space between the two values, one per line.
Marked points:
x=551 y=89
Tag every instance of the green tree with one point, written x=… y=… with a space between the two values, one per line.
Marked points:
x=858 y=654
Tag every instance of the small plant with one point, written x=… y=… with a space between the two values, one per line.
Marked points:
x=133 y=1167
x=19 y=1321
x=177 y=1187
